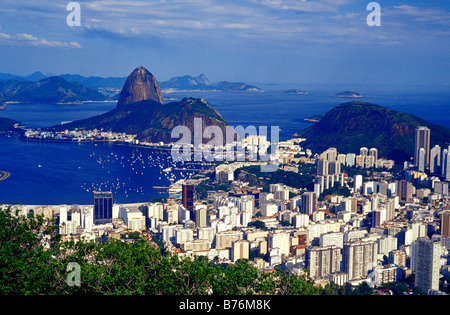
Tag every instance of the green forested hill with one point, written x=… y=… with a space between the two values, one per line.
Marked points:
x=353 y=125
x=50 y=90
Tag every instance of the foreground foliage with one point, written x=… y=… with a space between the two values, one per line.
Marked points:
x=34 y=260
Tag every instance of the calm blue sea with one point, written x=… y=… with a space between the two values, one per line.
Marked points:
x=57 y=173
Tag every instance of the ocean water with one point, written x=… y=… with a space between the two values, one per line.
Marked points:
x=60 y=173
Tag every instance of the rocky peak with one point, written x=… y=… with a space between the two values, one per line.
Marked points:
x=140 y=85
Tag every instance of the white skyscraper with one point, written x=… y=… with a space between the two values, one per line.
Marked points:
x=350 y=159
x=445 y=165
x=426 y=262
x=358 y=183
x=435 y=159
x=62 y=215
x=363 y=151
x=374 y=152
x=421 y=160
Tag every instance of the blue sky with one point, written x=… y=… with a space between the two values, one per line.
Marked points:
x=255 y=41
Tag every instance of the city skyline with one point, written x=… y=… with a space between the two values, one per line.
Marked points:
x=352 y=200
x=295 y=42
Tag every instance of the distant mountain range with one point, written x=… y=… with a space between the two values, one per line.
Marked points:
x=353 y=125
x=108 y=84
x=186 y=83
x=140 y=111
x=36 y=76
x=52 y=90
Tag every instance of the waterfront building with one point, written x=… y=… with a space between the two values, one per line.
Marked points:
x=133 y=218
x=188 y=196
x=103 y=207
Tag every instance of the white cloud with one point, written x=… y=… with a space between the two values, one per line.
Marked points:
x=25 y=36
x=25 y=39
x=304 y=5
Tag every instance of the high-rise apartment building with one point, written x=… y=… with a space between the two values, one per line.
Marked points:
x=426 y=262
x=308 y=204
x=435 y=159
x=359 y=258
x=350 y=159
x=445 y=165
x=357 y=184
x=441 y=188
x=240 y=250
x=364 y=151
x=445 y=224
x=421 y=160
x=201 y=216
x=322 y=167
x=374 y=152
x=334 y=168
x=323 y=261
x=422 y=141
x=103 y=206
x=188 y=197
x=405 y=190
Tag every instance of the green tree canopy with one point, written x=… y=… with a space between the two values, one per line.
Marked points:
x=34 y=260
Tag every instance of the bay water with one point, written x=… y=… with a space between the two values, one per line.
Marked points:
x=61 y=173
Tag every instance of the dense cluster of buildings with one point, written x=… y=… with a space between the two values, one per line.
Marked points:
x=77 y=135
x=387 y=229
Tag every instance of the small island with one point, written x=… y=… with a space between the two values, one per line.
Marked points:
x=295 y=92
x=348 y=94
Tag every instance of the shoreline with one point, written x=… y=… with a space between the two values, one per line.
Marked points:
x=23 y=138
